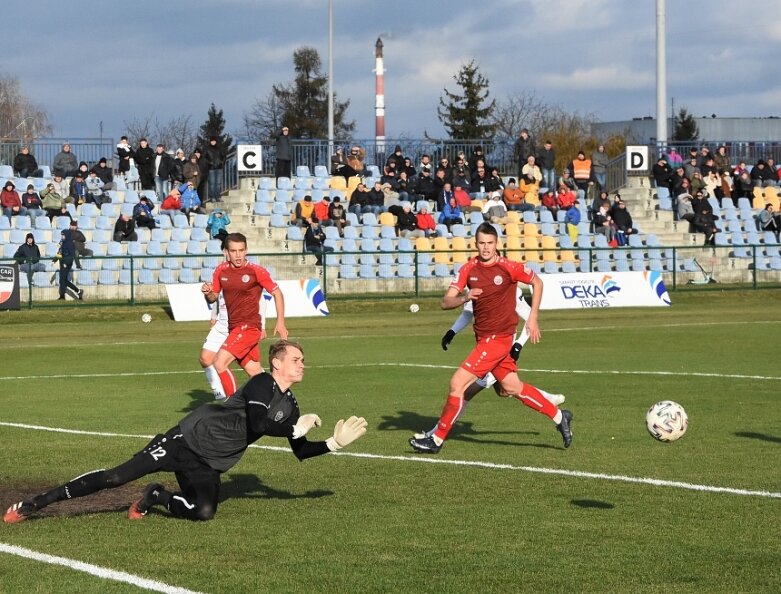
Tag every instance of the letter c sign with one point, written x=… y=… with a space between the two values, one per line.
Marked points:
x=250 y=158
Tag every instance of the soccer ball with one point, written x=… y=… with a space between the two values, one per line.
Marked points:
x=146 y=318
x=414 y=308
x=666 y=421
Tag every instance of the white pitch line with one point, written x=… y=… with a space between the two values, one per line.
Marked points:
x=470 y=463
x=415 y=365
x=96 y=570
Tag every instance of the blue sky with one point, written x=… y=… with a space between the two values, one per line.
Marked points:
x=117 y=61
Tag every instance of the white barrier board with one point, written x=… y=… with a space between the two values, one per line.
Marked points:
x=603 y=289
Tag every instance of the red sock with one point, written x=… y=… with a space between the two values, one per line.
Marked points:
x=449 y=415
x=228 y=382
x=532 y=398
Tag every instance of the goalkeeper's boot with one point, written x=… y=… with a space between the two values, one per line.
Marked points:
x=426 y=445
x=564 y=427
x=18 y=512
x=140 y=507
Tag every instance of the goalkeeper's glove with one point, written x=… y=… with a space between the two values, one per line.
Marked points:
x=447 y=338
x=346 y=432
x=304 y=424
x=515 y=351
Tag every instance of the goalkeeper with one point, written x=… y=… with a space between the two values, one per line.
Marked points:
x=465 y=319
x=210 y=441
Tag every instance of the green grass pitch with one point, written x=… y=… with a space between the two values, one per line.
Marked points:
x=391 y=521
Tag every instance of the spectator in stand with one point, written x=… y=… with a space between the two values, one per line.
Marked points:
x=425 y=162
x=440 y=180
x=359 y=200
x=495 y=182
x=703 y=156
x=770 y=163
x=445 y=165
x=477 y=157
x=142 y=213
x=215 y=159
x=444 y=196
x=425 y=222
x=389 y=177
x=698 y=201
x=451 y=214
x=105 y=175
x=603 y=223
x=63 y=187
x=530 y=188
x=582 y=173
x=314 y=242
x=83 y=169
x=598 y=201
x=494 y=210
x=65 y=161
x=125 y=229
x=25 y=164
x=708 y=166
x=192 y=171
x=321 y=211
x=28 y=255
x=338 y=160
x=163 y=169
x=179 y=162
x=145 y=163
x=762 y=176
x=514 y=198
x=203 y=178
x=599 y=161
x=462 y=179
x=479 y=184
x=686 y=210
x=531 y=170
x=403 y=185
x=705 y=223
x=172 y=203
x=721 y=159
x=78 y=190
x=677 y=180
x=396 y=158
x=79 y=243
x=712 y=181
x=32 y=202
x=337 y=215
x=696 y=182
x=390 y=197
x=125 y=155
x=355 y=165
x=66 y=254
x=565 y=198
x=662 y=173
x=523 y=148
x=690 y=166
x=546 y=159
x=191 y=201
x=406 y=221
x=304 y=212
x=217 y=224
x=727 y=187
x=377 y=198
x=623 y=221
x=284 y=153
x=95 y=189
x=770 y=221
x=408 y=168
x=572 y=220
x=567 y=181
x=549 y=202
x=10 y=201
x=53 y=203
x=674 y=159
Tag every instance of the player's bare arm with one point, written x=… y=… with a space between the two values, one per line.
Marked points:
x=454 y=298
x=279 y=303
x=532 y=325
x=208 y=292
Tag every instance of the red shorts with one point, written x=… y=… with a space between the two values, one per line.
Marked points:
x=242 y=343
x=491 y=354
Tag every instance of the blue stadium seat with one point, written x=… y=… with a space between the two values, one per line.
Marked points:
x=321 y=171
x=406 y=271
x=296 y=234
x=168 y=276
x=367 y=271
x=84 y=278
x=199 y=234
x=262 y=209
x=200 y=221
x=347 y=271
x=351 y=232
x=284 y=183
x=189 y=275
x=278 y=221
x=266 y=183
x=181 y=221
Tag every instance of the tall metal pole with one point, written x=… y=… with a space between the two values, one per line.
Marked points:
x=330 y=80
x=661 y=76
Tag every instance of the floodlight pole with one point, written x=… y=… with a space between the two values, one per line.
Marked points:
x=661 y=77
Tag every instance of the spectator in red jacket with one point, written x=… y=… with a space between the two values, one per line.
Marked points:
x=426 y=222
x=11 y=202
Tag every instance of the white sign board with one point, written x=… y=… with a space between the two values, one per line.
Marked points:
x=303 y=298
x=249 y=158
x=637 y=158
x=603 y=289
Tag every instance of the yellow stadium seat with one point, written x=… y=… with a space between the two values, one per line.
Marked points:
x=423 y=244
x=550 y=253
x=512 y=229
x=387 y=218
x=338 y=183
x=514 y=216
x=514 y=248
x=477 y=205
x=758 y=202
x=568 y=256
x=531 y=229
x=758 y=193
x=459 y=243
x=441 y=250
x=353 y=183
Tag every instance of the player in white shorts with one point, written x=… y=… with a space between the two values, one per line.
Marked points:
x=215 y=338
x=465 y=319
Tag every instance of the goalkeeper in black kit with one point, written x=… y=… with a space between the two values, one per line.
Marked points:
x=210 y=441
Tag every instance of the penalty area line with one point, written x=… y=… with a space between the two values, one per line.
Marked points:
x=470 y=463
x=96 y=570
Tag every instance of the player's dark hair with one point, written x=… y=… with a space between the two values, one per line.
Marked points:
x=235 y=237
x=279 y=348
x=487 y=228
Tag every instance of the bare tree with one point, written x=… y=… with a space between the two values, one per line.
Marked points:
x=20 y=118
x=178 y=132
x=264 y=119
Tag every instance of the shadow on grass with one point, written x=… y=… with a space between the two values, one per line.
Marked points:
x=197 y=398
x=592 y=504
x=249 y=486
x=462 y=431
x=759 y=436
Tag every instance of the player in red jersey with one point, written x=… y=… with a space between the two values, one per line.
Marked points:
x=242 y=284
x=492 y=282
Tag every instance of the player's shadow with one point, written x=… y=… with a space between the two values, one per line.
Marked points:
x=759 y=436
x=197 y=398
x=592 y=504
x=405 y=420
x=249 y=486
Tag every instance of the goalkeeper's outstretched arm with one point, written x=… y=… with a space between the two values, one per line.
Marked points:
x=345 y=433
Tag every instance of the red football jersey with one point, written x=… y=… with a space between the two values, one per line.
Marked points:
x=242 y=288
x=494 y=310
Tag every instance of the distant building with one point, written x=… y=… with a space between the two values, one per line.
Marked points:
x=733 y=130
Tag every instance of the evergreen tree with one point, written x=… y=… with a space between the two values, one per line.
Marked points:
x=304 y=102
x=215 y=126
x=685 y=127
x=468 y=115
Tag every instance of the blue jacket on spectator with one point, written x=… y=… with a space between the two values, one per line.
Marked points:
x=190 y=198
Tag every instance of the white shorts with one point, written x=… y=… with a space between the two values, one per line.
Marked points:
x=214 y=339
x=486 y=381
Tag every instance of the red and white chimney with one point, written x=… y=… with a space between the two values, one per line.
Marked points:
x=379 y=97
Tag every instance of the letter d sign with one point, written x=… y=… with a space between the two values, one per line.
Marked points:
x=637 y=158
